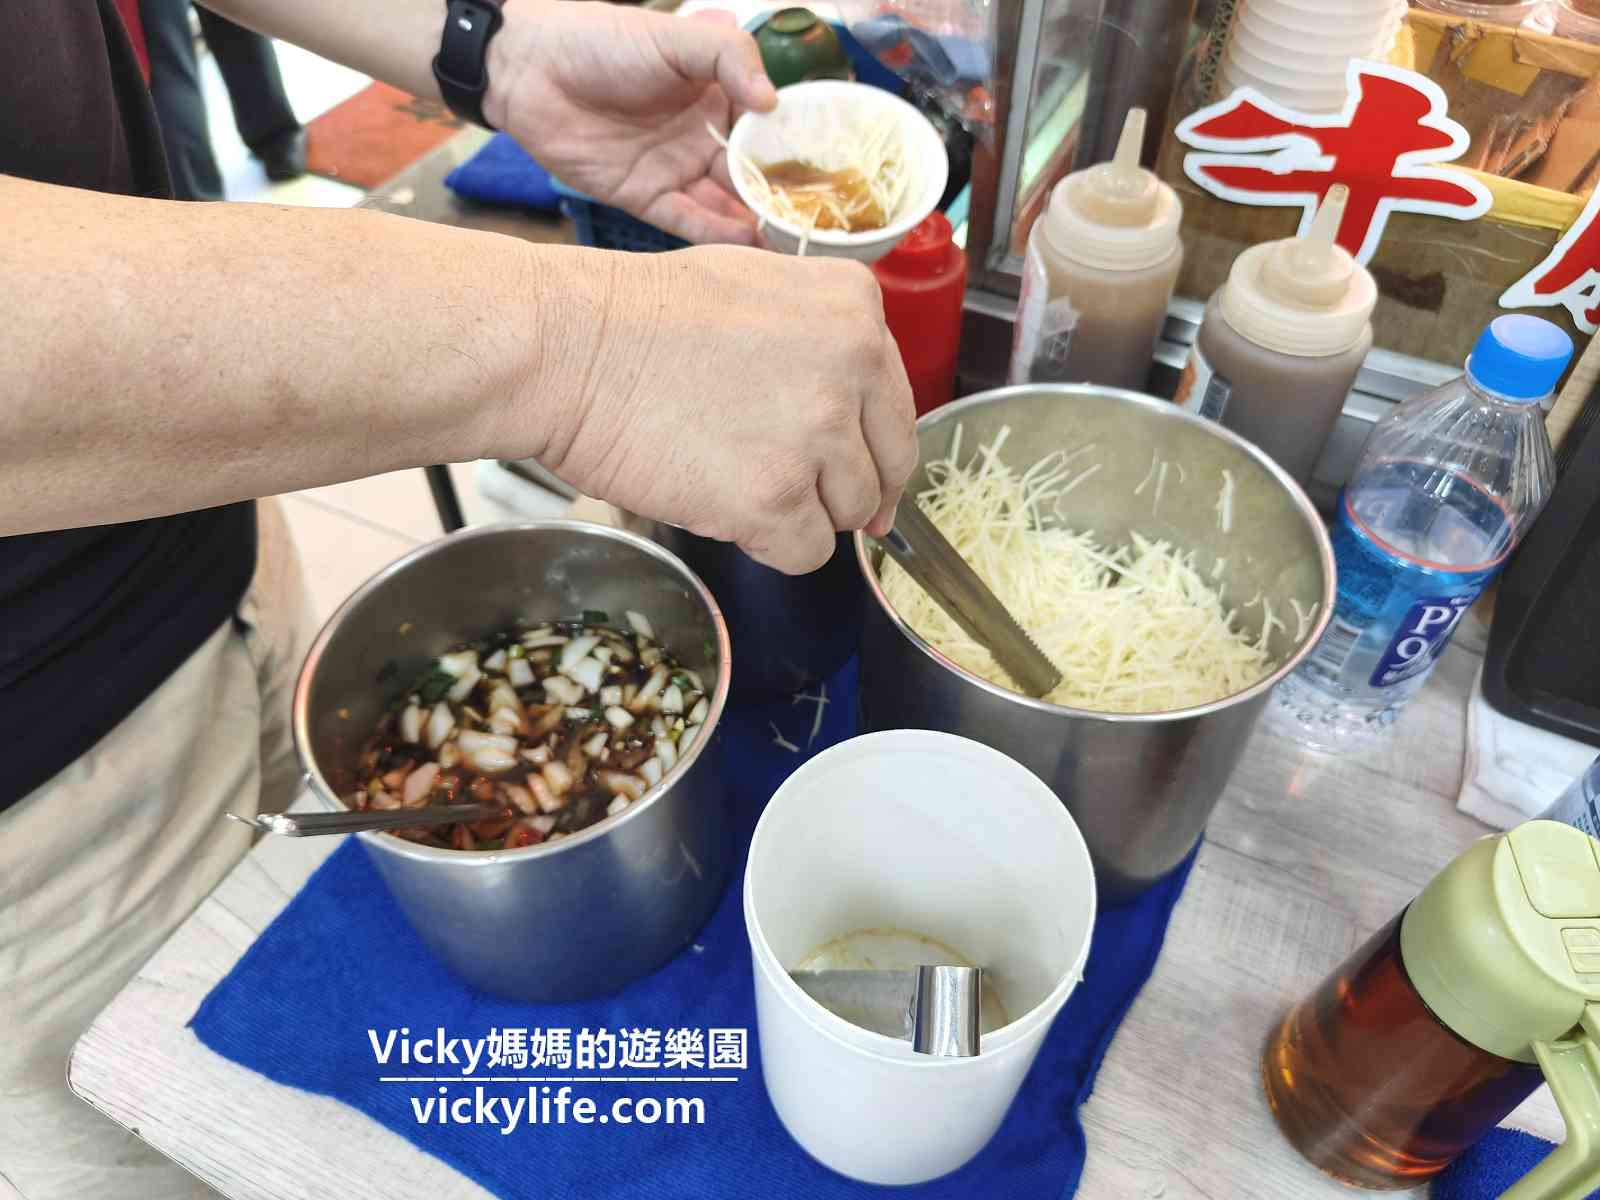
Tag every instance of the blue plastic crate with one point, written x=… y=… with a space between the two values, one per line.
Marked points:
x=608 y=228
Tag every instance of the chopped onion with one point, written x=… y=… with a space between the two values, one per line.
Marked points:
x=672 y=699
x=596 y=745
x=495 y=661
x=411 y=724
x=459 y=663
x=619 y=717
x=578 y=713
x=558 y=777
x=686 y=737
x=503 y=720
x=384 y=800
x=464 y=685
x=667 y=753
x=622 y=652
x=440 y=722
x=520 y=672
x=521 y=797
x=587 y=671
x=538 y=641
x=602 y=655
x=547 y=800
x=418 y=784
x=694 y=678
x=658 y=727
x=629 y=691
x=503 y=695
x=698 y=714
x=577 y=648
x=621 y=783
x=651 y=769
x=611 y=694
x=647 y=694
x=544 y=824
x=640 y=624
x=560 y=690
x=449 y=755
x=471 y=741
x=538 y=756
x=488 y=752
x=618 y=803
x=649 y=656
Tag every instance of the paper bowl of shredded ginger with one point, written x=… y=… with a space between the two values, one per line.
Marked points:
x=841 y=170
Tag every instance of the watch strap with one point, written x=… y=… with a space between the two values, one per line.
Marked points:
x=461 y=67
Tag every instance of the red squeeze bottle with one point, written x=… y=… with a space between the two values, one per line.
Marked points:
x=924 y=280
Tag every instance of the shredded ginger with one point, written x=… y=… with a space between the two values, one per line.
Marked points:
x=1133 y=629
x=864 y=157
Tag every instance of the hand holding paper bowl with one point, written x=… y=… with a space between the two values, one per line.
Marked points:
x=894 y=157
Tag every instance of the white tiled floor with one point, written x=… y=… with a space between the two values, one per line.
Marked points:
x=348 y=531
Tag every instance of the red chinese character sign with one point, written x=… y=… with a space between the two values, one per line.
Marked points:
x=1383 y=145
x=1569 y=276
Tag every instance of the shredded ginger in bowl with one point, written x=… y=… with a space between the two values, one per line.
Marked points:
x=1133 y=628
x=849 y=174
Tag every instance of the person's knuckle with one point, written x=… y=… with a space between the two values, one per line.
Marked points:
x=838 y=410
x=785 y=484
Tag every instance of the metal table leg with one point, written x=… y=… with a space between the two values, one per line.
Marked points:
x=444 y=498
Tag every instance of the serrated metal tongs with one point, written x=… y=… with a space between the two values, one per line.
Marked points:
x=928 y=557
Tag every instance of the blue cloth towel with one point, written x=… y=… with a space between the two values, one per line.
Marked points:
x=1493 y=1164
x=340 y=960
x=503 y=173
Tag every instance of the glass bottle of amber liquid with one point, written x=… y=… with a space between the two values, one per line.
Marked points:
x=1450 y=1016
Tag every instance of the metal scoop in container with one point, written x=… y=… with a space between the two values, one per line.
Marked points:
x=936 y=1009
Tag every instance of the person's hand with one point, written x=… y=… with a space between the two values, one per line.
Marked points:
x=615 y=101
x=739 y=394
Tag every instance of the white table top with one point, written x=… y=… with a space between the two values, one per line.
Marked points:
x=1304 y=858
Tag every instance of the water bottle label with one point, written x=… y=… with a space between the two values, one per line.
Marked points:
x=1043 y=338
x=1421 y=638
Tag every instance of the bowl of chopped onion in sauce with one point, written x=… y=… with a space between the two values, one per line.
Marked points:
x=569 y=676
x=840 y=170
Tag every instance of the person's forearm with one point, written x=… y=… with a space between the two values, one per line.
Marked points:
x=163 y=357
x=392 y=40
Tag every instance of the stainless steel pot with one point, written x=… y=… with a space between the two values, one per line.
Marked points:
x=788 y=630
x=1141 y=787
x=583 y=915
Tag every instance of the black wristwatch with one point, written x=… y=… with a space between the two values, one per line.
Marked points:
x=462 y=64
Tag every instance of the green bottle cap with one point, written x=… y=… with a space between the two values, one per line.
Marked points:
x=796 y=45
x=1504 y=945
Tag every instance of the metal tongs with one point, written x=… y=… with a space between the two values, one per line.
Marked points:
x=936 y=1009
x=298 y=824
x=927 y=556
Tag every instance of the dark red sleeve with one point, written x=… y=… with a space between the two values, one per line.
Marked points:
x=130 y=17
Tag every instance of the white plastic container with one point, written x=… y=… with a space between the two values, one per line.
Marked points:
x=935 y=835
x=805 y=115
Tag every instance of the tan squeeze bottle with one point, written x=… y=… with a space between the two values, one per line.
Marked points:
x=1101 y=263
x=1281 y=342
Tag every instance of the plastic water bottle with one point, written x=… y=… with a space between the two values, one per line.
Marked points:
x=1446 y=487
x=1579 y=805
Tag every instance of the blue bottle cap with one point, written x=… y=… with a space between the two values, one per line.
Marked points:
x=1520 y=356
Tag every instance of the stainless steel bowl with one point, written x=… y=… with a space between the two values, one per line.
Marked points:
x=788 y=630
x=1141 y=787
x=588 y=913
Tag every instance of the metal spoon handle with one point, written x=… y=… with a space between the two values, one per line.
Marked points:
x=294 y=824
x=928 y=557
